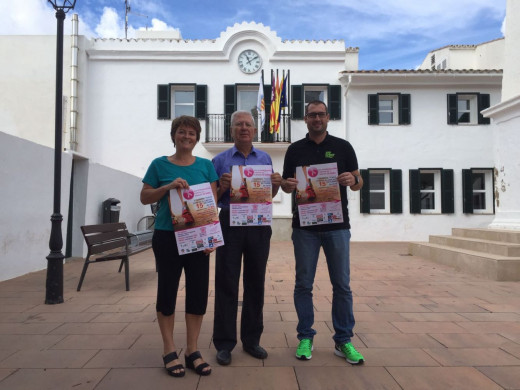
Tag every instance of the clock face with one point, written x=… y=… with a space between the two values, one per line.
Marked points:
x=249 y=61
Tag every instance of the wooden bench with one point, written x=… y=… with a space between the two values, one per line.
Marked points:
x=110 y=241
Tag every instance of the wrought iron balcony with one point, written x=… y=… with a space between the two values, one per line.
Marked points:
x=218 y=129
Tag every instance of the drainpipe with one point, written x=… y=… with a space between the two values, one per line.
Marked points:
x=74 y=85
x=347 y=128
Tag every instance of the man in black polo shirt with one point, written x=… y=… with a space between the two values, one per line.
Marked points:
x=319 y=147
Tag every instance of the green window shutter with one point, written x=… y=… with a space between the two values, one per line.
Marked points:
x=467 y=192
x=229 y=108
x=298 y=108
x=447 y=192
x=163 y=101
x=483 y=103
x=396 y=191
x=364 y=198
x=452 y=109
x=415 y=191
x=201 y=96
x=373 y=109
x=404 y=109
x=334 y=99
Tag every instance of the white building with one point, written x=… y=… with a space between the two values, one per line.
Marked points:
x=425 y=151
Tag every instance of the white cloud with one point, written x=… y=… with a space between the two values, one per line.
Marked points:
x=29 y=17
x=110 y=26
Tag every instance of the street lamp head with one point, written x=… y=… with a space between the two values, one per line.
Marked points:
x=63 y=5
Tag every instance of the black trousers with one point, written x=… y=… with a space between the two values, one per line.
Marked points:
x=252 y=244
x=169 y=269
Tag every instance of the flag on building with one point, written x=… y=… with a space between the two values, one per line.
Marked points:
x=282 y=101
x=260 y=102
x=273 y=115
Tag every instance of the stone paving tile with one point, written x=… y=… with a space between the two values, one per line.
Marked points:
x=441 y=378
x=425 y=311
x=16 y=328
x=495 y=317
x=454 y=357
x=392 y=340
x=512 y=348
x=429 y=327
x=48 y=359
x=254 y=378
x=90 y=328
x=353 y=378
x=125 y=317
x=4 y=373
x=432 y=317
x=26 y=341
x=490 y=327
x=146 y=378
x=112 y=341
x=507 y=377
x=397 y=357
x=52 y=379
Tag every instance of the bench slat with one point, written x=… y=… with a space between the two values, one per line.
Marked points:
x=104 y=227
x=93 y=239
x=106 y=246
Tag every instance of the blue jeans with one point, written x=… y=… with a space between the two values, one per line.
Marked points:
x=336 y=245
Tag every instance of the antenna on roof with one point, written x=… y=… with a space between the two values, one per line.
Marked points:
x=127 y=11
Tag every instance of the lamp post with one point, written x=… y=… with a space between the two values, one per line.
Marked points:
x=54 y=282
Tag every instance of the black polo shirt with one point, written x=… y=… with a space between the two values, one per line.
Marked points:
x=307 y=152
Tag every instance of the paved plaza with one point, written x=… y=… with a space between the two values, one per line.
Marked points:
x=420 y=325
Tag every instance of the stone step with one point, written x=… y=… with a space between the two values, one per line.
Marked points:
x=512 y=236
x=479 y=245
x=485 y=265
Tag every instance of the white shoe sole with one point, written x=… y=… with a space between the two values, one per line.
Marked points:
x=340 y=354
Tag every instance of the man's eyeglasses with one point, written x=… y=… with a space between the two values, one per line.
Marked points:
x=314 y=115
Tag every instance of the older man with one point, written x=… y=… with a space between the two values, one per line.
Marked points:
x=250 y=243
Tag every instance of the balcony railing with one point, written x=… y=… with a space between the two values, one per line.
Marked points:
x=218 y=129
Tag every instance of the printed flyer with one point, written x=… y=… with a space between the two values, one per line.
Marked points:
x=195 y=219
x=317 y=194
x=251 y=201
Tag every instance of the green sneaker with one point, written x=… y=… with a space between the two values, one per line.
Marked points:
x=304 y=350
x=347 y=351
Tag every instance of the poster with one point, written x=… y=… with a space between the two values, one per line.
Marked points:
x=195 y=219
x=251 y=200
x=317 y=194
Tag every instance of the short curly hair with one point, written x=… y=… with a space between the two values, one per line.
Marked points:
x=187 y=121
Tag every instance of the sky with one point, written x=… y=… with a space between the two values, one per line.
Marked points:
x=390 y=34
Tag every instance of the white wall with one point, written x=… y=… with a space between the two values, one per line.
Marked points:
x=27 y=82
x=428 y=142
x=27 y=174
x=27 y=177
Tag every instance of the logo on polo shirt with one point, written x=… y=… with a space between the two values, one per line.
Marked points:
x=329 y=154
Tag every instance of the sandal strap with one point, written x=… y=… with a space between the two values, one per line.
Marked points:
x=194 y=356
x=174 y=368
x=170 y=357
x=200 y=369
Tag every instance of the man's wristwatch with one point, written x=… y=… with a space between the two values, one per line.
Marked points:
x=356 y=179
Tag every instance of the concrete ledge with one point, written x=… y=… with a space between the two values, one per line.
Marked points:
x=489 y=266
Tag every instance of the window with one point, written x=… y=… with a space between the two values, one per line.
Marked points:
x=464 y=108
x=431 y=191
x=382 y=191
x=183 y=101
x=389 y=109
x=477 y=191
x=174 y=100
x=301 y=95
